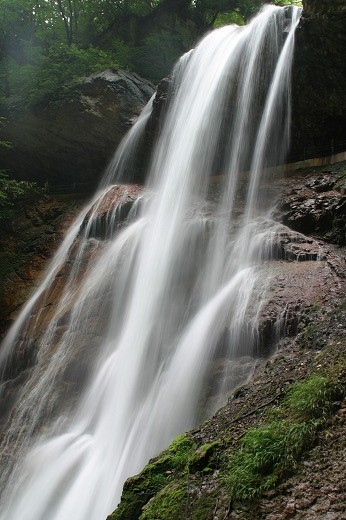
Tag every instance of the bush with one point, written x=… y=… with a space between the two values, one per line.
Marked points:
x=12 y=192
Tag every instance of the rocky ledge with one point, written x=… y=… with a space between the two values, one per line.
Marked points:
x=111 y=211
x=275 y=450
x=37 y=232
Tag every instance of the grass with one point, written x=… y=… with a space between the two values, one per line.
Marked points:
x=274 y=448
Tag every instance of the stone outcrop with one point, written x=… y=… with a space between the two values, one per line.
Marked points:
x=316 y=204
x=69 y=138
x=111 y=211
x=325 y=7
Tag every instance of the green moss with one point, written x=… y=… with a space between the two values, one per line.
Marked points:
x=203 y=457
x=154 y=478
x=182 y=443
x=203 y=506
x=138 y=490
x=168 y=504
x=180 y=452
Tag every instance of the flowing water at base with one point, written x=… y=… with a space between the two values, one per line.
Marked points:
x=152 y=300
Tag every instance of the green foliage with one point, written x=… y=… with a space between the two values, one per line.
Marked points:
x=266 y=452
x=233 y=17
x=275 y=447
x=312 y=398
x=46 y=74
x=4 y=144
x=13 y=192
x=44 y=45
x=297 y=3
x=155 y=57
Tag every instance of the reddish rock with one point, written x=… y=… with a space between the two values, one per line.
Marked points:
x=111 y=211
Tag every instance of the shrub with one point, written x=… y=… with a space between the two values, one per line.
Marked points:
x=12 y=192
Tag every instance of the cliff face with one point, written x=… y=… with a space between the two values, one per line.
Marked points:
x=318 y=83
x=26 y=245
x=325 y=7
x=70 y=139
x=319 y=79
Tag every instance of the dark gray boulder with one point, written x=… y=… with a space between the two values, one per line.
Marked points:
x=69 y=138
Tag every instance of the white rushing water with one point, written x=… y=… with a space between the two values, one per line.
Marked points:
x=122 y=364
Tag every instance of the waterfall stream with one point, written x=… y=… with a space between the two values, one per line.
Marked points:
x=123 y=362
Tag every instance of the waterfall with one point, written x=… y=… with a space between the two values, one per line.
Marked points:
x=122 y=363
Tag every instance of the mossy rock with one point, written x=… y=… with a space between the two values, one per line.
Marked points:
x=138 y=490
x=169 y=504
x=155 y=477
x=204 y=457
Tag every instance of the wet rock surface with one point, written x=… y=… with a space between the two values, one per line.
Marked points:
x=302 y=327
x=313 y=488
x=25 y=247
x=55 y=306
x=112 y=211
x=306 y=301
x=316 y=204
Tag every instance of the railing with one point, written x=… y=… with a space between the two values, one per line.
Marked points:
x=67 y=189
x=332 y=147
x=311 y=152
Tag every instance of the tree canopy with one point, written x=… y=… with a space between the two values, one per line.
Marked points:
x=46 y=43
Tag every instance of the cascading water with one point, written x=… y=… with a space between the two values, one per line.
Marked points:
x=122 y=365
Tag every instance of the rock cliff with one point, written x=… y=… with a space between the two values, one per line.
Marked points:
x=319 y=80
x=69 y=138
